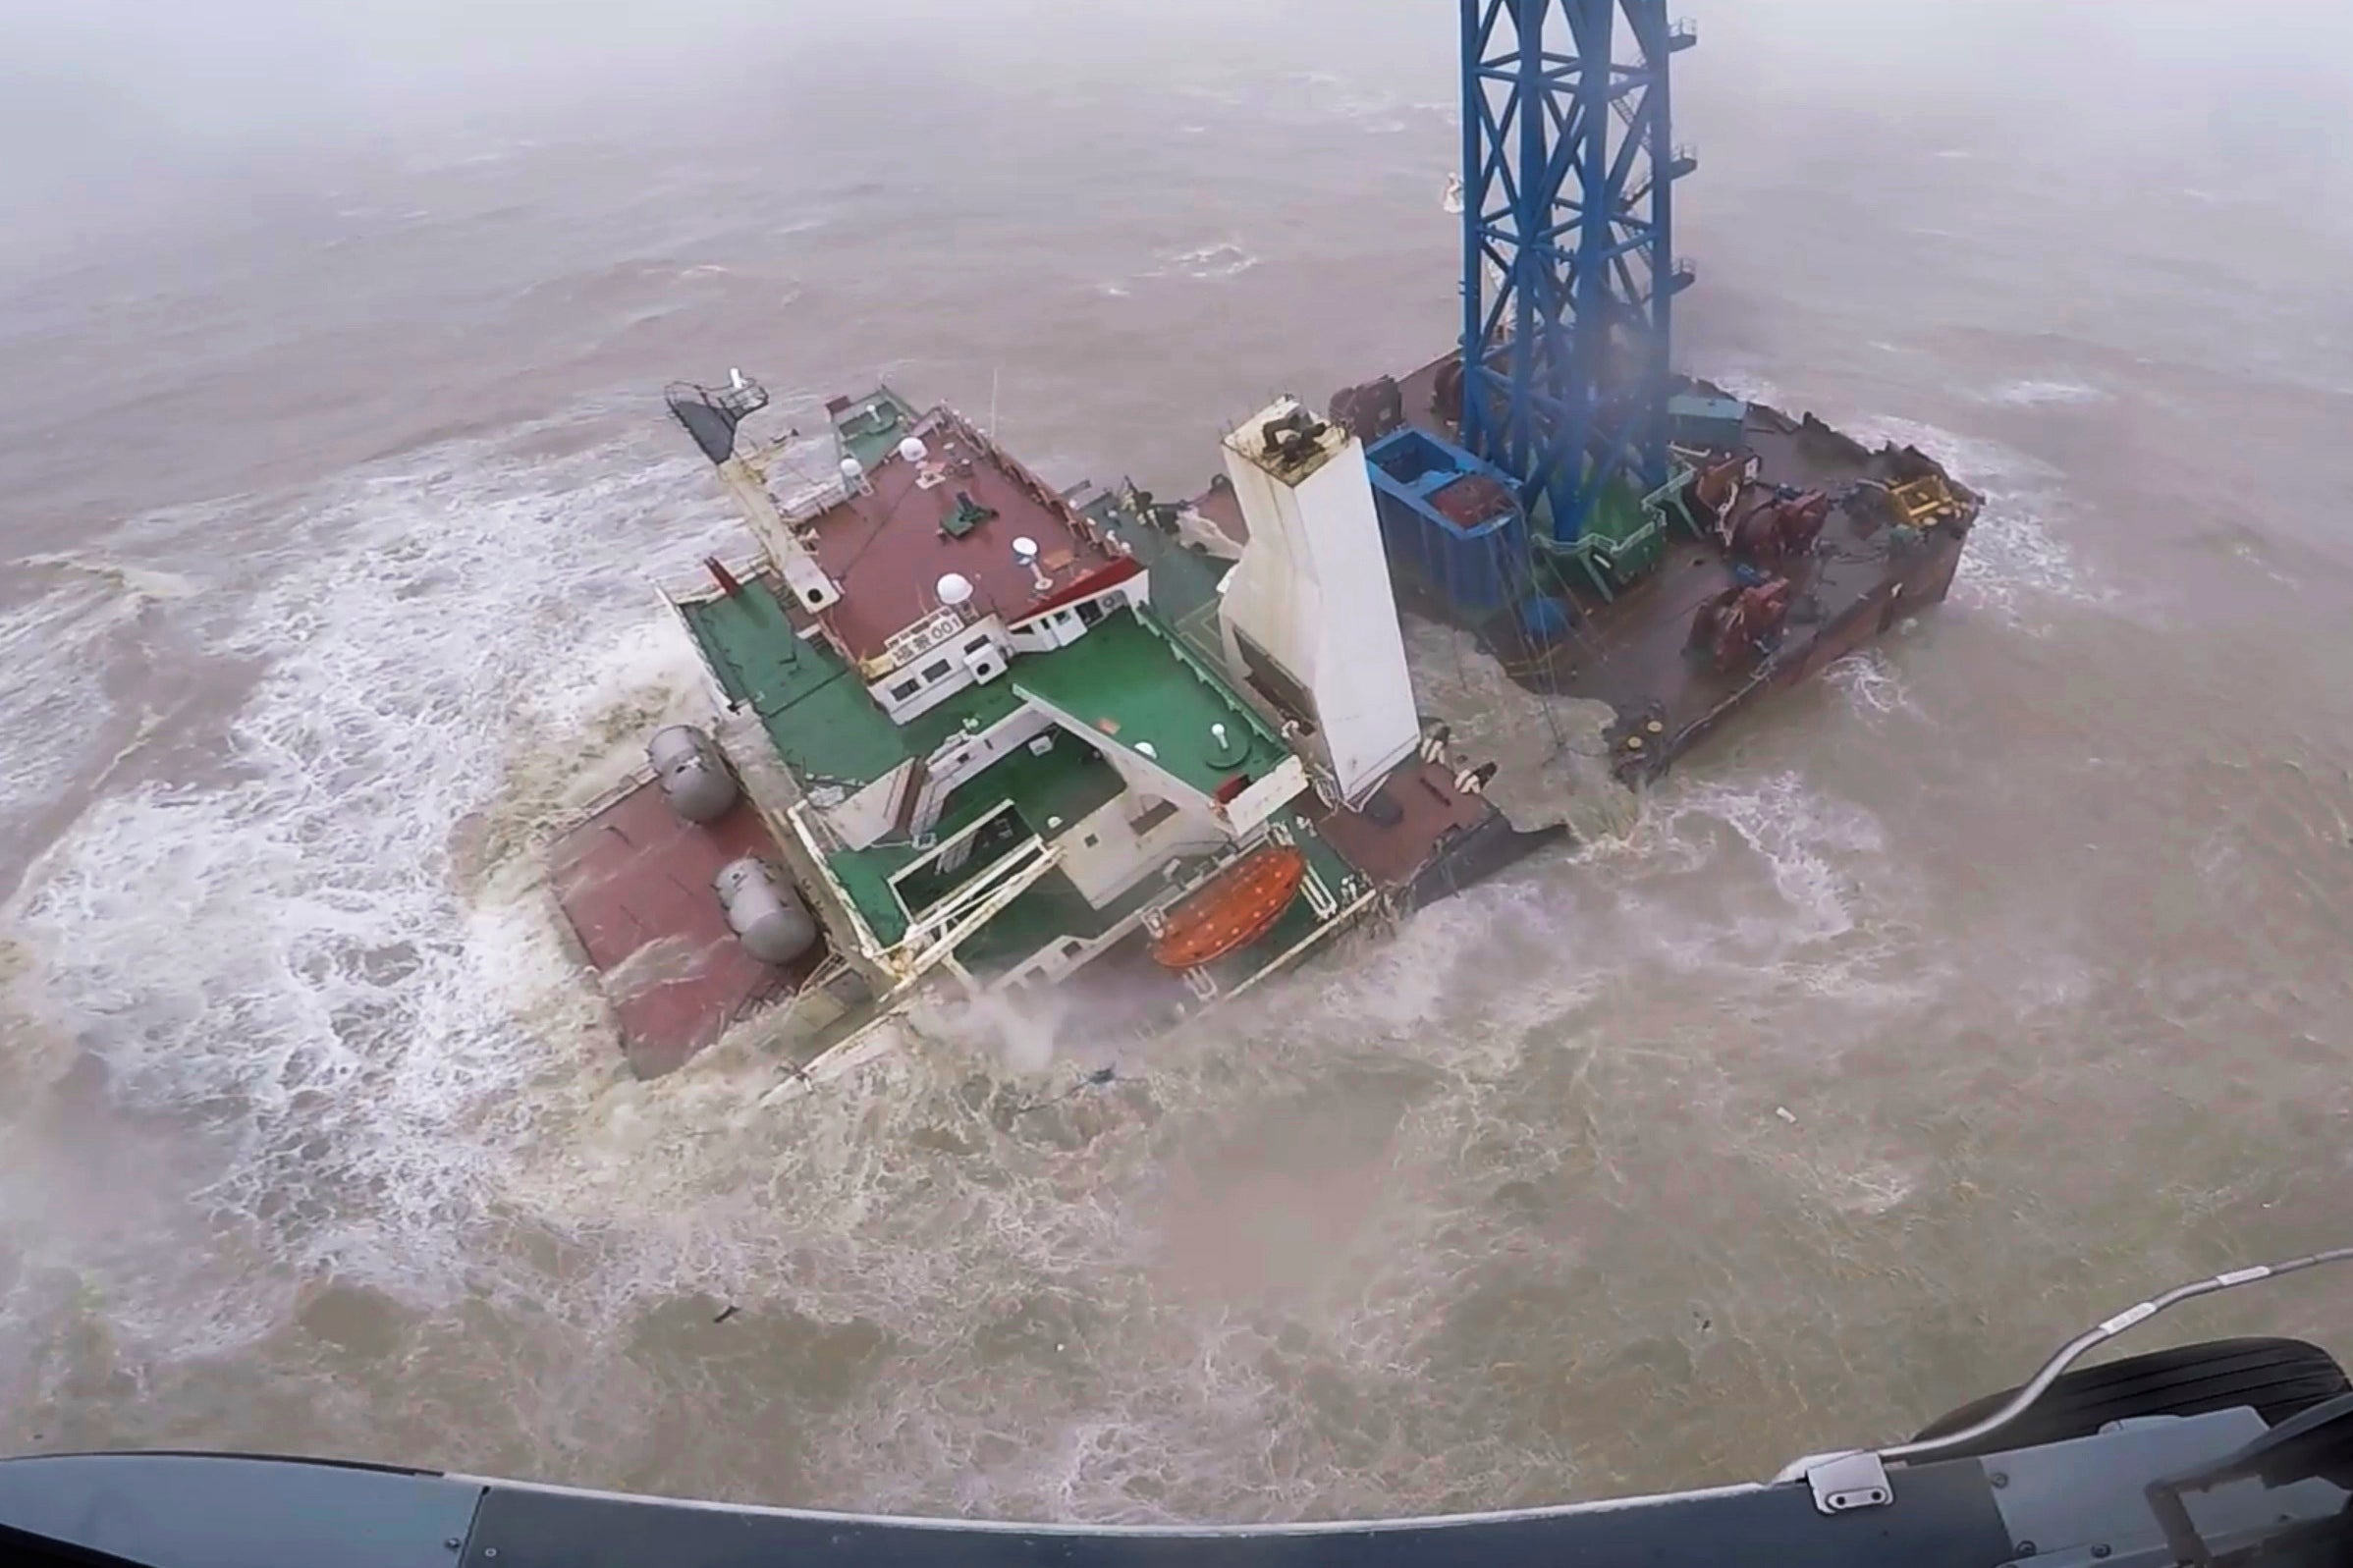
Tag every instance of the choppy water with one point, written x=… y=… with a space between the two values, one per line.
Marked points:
x=1996 y=978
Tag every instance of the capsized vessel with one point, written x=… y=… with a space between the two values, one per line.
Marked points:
x=977 y=734
x=983 y=735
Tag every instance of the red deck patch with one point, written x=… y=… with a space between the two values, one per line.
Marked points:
x=634 y=882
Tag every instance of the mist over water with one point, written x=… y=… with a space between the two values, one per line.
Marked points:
x=1954 y=1002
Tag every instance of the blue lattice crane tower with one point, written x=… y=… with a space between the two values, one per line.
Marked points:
x=1568 y=275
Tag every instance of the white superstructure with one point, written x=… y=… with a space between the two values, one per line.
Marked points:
x=1308 y=618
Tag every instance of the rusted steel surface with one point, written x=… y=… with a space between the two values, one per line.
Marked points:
x=1403 y=822
x=1863 y=538
x=634 y=881
x=1471 y=500
x=1736 y=626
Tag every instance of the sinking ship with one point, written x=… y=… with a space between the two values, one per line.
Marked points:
x=977 y=737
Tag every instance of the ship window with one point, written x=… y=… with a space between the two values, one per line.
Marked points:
x=905 y=689
x=1071 y=947
x=1091 y=611
x=1091 y=840
x=976 y=645
x=1153 y=815
x=935 y=669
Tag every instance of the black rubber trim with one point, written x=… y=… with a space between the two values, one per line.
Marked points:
x=25 y=1548
x=378 y=1465
x=2278 y=1377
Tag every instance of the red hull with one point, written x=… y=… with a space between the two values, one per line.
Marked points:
x=634 y=882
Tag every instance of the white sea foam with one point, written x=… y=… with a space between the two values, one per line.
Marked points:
x=2030 y=394
x=296 y=952
x=1871 y=682
x=134 y=586
x=1812 y=846
x=2012 y=558
x=345 y=963
x=53 y=707
x=1223 y=258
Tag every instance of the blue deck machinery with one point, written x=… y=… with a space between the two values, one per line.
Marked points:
x=1569 y=286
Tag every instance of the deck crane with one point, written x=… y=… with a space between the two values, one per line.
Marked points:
x=1568 y=271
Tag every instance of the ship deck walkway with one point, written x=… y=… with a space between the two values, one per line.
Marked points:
x=1046 y=791
x=1185 y=583
x=818 y=714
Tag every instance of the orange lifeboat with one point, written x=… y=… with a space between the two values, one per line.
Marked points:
x=1233 y=909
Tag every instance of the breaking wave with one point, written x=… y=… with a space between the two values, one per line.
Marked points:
x=1809 y=844
x=54 y=713
x=2013 y=556
x=290 y=951
x=1233 y=1283
x=1223 y=260
x=2039 y=394
x=1871 y=684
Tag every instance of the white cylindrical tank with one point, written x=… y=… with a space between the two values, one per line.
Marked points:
x=764 y=912
x=694 y=777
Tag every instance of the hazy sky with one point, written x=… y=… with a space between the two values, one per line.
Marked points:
x=97 y=94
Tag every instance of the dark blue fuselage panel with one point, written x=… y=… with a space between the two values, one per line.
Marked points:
x=209 y=1511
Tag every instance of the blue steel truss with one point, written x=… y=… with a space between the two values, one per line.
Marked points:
x=1568 y=273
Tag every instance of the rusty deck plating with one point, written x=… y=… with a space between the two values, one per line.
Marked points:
x=634 y=884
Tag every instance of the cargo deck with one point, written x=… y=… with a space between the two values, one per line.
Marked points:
x=633 y=882
x=1633 y=649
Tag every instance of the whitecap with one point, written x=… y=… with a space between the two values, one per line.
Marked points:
x=2030 y=393
x=310 y=952
x=1871 y=684
x=1225 y=258
x=2012 y=555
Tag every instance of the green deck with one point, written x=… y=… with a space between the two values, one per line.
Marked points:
x=1134 y=683
x=1051 y=908
x=1129 y=680
x=1184 y=584
x=1066 y=783
x=874 y=424
x=1328 y=868
x=809 y=700
x=816 y=710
